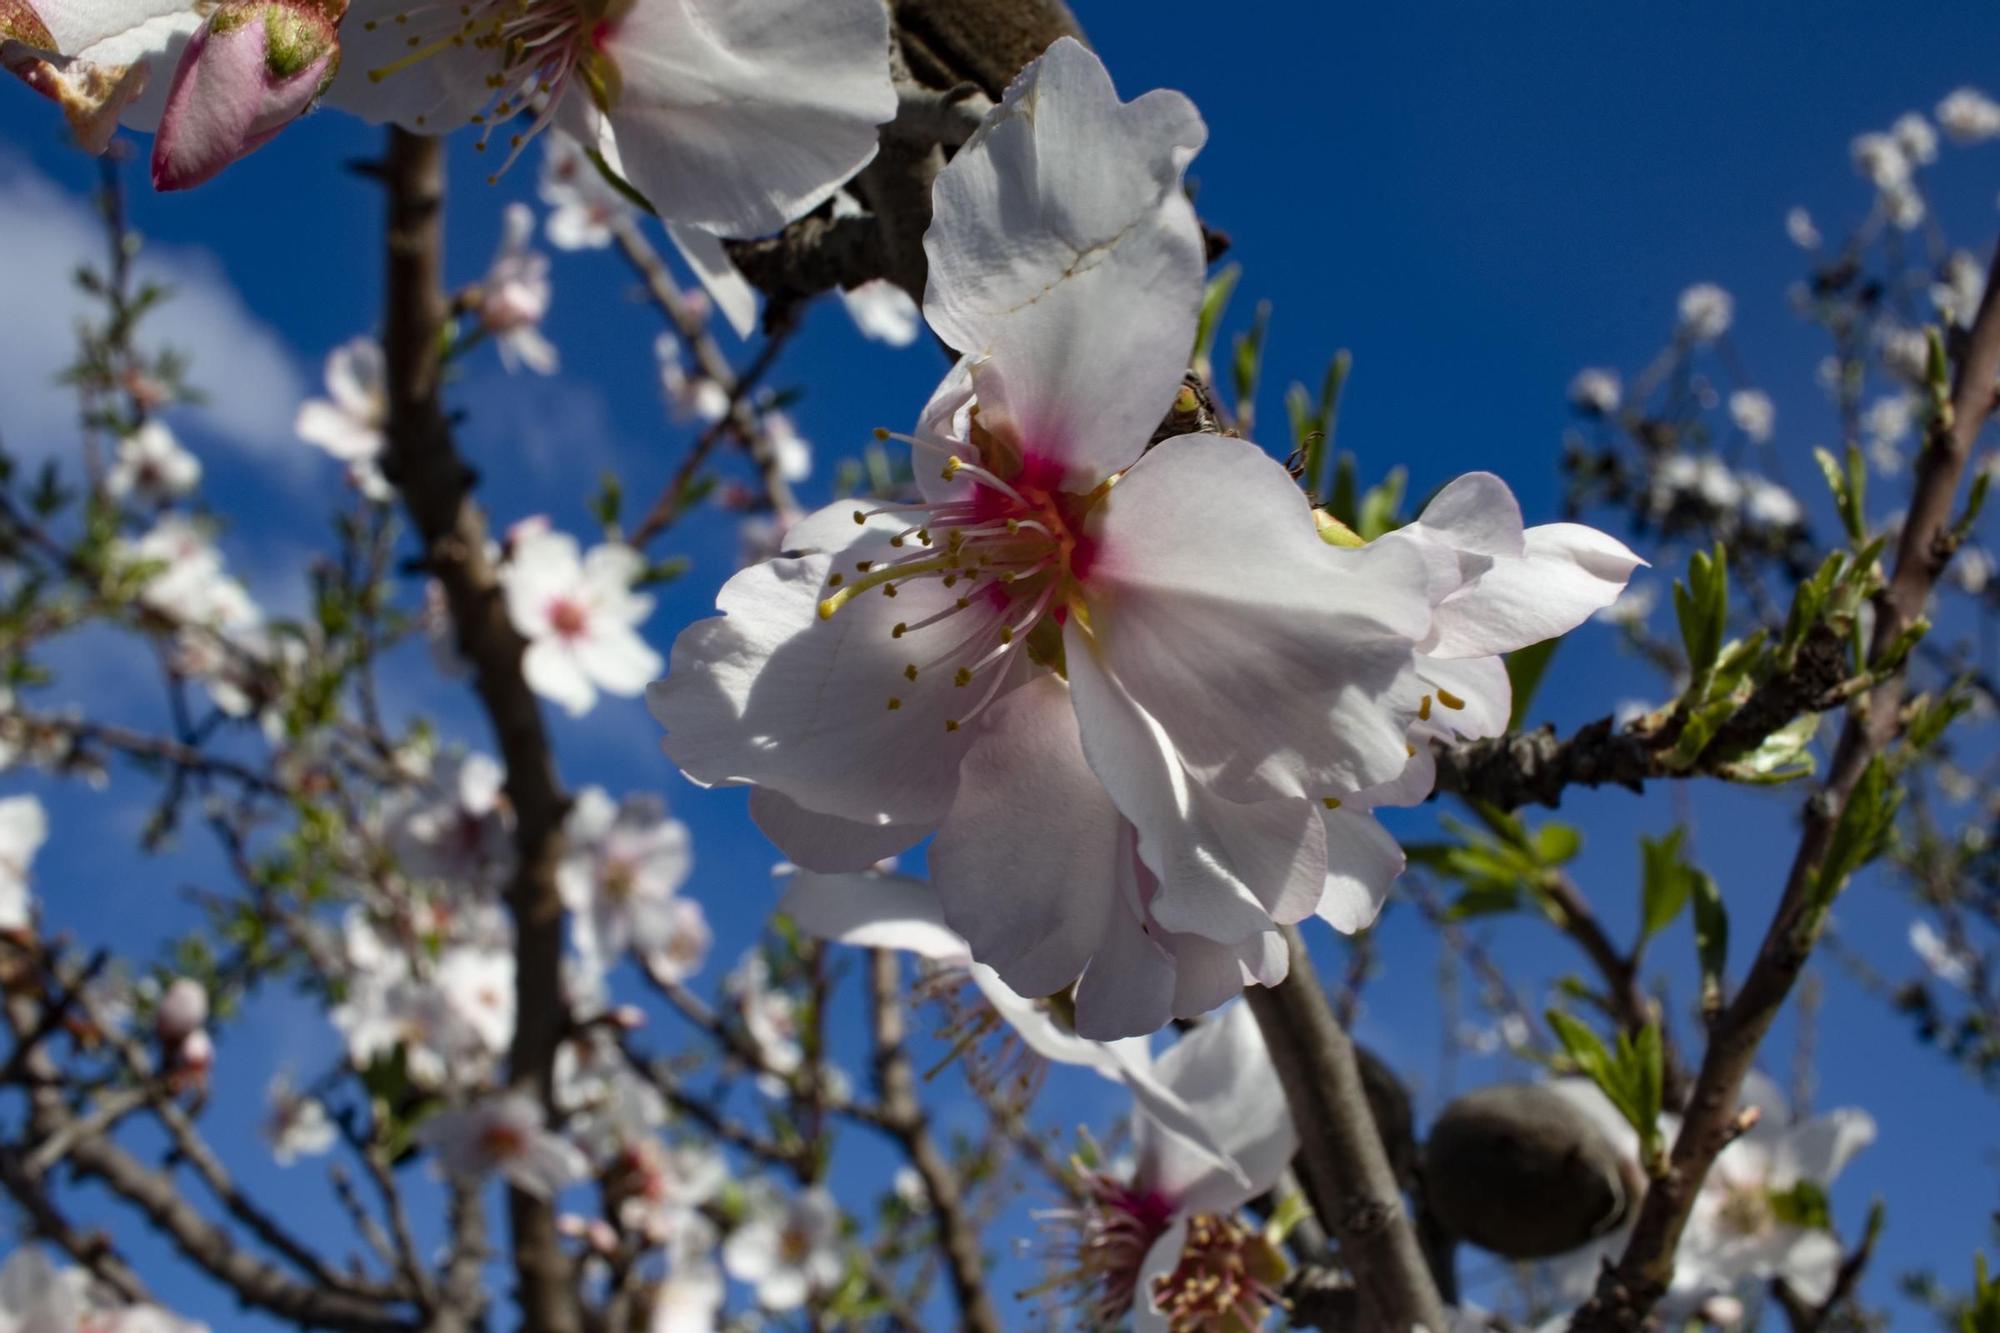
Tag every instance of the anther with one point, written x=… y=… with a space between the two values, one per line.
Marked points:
x=894 y=703
x=902 y=628
x=1450 y=700
x=950 y=725
x=835 y=580
x=910 y=672
x=1424 y=709
x=963 y=678
x=1330 y=802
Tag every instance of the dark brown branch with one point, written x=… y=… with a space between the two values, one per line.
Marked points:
x=896 y=1085
x=1341 y=1157
x=1626 y=1293
x=436 y=488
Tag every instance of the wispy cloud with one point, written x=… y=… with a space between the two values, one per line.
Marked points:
x=252 y=378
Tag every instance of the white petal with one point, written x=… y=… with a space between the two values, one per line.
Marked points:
x=730 y=291
x=1163 y=1256
x=552 y=672
x=1811 y=1264
x=1279 y=665
x=739 y=115
x=1223 y=1071
x=872 y=911
x=1817 y=1148
x=1568 y=572
x=1063 y=248
x=1362 y=861
x=1127 y=990
x=824 y=842
x=1480 y=684
x=1027 y=861
x=618 y=660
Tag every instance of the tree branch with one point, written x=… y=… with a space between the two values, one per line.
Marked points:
x=1340 y=1149
x=1627 y=1292
x=436 y=488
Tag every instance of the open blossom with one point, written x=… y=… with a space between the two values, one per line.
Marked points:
x=452 y=1014
x=457 y=829
x=1914 y=135
x=296 y=1124
x=1969 y=116
x=734 y=116
x=349 y=422
x=618 y=877
x=1800 y=228
x=580 y=617
x=880 y=309
x=1161 y=1244
x=1133 y=712
x=1950 y=963
x=506 y=1136
x=1769 y=505
x=37 y=1297
x=657 y=1190
x=582 y=204
x=1596 y=391
x=786 y=1248
x=150 y=465
x=770 y=1016
x=689 y=396
x=514 y=297
x=24 y=826
x=1706 y=312
x=1754 y=414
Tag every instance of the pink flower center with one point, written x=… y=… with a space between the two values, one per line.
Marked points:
x=1013 y=545
x=500 y=1141
x=567 y=618
x=1104 y=1249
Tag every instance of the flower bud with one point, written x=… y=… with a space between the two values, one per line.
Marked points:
x=194 y=1056
x=183 y=1010
x=251 y=70
x=1517 y=1170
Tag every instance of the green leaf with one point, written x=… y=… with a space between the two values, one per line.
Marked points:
x=1557 y=844
x=1711 y=939
x=1982 y=1312
x=1485 y=900
x=1525 y=669
x=1803 y=1205
x=1380 y=506
x=1246 y=366
x=1702 y=607
x=1314 y=434
x=1214 y=301
x=1666 y=879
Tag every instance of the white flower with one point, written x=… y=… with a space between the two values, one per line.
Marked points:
x=24 y=826
x=189 y=582
x=1885 y=424
x=786 y=1248
x=1769 y=505
x=349 y=422
x=1969 y=116
x=507 y=1135
x=1949 y=963
x=1701 y=477
x=1146 y=1243
x=456 y=830
x=296 y=1124
x=1904 y=207
x=1232 y=679
x=37 y=1297
x=879 y=308
x=1881 y=161
x=1596 y=391
x=696 y=396
x=1799 y=227
x=1754 y=414
x=1957 y=297
x=689 y=1300
x=735 y=116
x=1754 y=1216
x=659 y=1190
x=582 y=204
x=1972 y=571
x=1632 y=606
x=1706 y=312
x=1916 y=138
x=514 y=297
x=579 y=615
x=619 y=874
x=151 y=466
x=451 y=1019
x=770 y=1016
x=791 y=451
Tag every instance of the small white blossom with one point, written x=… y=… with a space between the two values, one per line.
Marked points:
x=1949 y=963
x=1958 y=295
x=1754 y=414
x=580 y=617
x=1916 y=138
x=689 y=396
x=786 y=1249
x=619 y=875
x=1799 y=226
x=1706 y=312
x=151 y=466
x=582 y=204
x=1885 y=424
x=1769 y=505
x=37 y=1297
x=791 y=451
x=515 y=295
x=1632 y=606
x=296 y=1124
x=770 y=1017
x=1596 y=391
x=24 y=826
x=349 y=422
x=1881 y=161
x=508 y=1136
x=1969 y=116
x=1972 y=571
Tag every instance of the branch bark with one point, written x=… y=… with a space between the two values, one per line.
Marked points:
x=1626 y=1293
x=1341 y=1156
x=436 y=487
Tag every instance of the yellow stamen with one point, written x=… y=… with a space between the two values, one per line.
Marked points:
x=1330 y=802
x=1450 y=700
x=1424 y=709
x=877 y=579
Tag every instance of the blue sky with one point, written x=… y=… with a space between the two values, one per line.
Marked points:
x=1475 y=199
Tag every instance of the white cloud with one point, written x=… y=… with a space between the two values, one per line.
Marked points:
x=251 y=377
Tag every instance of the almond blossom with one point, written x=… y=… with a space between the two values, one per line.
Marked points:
x=508 y=1136
x=1969 y=116
x=580 y=616
x=349 y=423
x=1131 y=685
x=786 y=1248
x=581 y=202
x=1161 y=1244
x=732 y=116
x=38 y=1297
x=24 y=826
x=622 y=867
x=296 y=1123
x=514 y=297
x=151 y=466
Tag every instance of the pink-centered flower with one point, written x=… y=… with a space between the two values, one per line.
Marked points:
x=1144 y=705
x=579 y=615
x=732 y=116
x=507 y=1136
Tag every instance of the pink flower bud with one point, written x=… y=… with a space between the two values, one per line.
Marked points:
x=195 y=1055
x=251 y=70
x=183 y=1010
